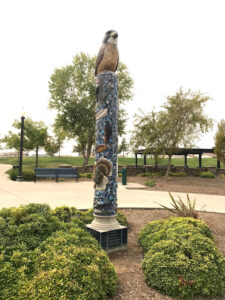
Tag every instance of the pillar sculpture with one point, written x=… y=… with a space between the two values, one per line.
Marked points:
x=105 y=200
x=105 y=227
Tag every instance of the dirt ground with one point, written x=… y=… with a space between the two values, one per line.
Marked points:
x=128 y=262
x=212 y=186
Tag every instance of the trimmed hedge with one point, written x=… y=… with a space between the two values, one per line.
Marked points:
x=181 y=259
x=68 y=214
x=71 y=266
x=173 y=228
x=47 y=254
x=26 y=227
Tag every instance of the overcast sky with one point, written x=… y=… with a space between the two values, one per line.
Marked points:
x=165 y=44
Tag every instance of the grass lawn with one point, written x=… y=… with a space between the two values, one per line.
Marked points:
x=54 y=162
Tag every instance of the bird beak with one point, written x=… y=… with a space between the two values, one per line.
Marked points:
x=115 y=35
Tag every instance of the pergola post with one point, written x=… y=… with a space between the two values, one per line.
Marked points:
x=185 y=161
x=144 y=160
x=218 y=164
x=136 y=160
x=200 y=160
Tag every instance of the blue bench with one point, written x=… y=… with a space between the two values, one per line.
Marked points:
x=56 y=173
x=68 y=173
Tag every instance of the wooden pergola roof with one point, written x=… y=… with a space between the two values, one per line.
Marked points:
x=180 y=151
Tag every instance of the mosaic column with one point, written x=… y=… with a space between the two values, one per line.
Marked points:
x=105 y=199
x=105 y=227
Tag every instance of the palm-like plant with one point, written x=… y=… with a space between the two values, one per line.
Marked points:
x=180 y=208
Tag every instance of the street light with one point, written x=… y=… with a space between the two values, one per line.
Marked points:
x=20 y=176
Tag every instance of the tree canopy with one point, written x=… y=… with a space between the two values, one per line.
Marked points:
x=220 y=141
x=178 y=124
x=123 y=147
x=52 y=146
x=73 y=90
x=35 y=135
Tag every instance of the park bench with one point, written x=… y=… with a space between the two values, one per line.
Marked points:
x=68 y=173
x=56 y=173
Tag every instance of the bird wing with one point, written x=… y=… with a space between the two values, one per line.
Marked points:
x=99 y=57
x=117 y=63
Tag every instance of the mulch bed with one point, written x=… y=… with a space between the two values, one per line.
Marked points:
x=187 y=184
x=128 y=262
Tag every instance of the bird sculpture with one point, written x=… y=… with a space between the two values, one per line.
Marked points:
x=108 y=56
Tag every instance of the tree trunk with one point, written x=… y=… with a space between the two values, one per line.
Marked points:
x=37 y=157
x=168 y=167
x=86 y=154
x=156 y=160
x=59 y=147
x=85 y=161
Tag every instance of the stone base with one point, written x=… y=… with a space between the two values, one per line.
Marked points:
x=19 y=178
x=109 y=233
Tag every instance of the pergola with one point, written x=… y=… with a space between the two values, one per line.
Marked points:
x=180 y=151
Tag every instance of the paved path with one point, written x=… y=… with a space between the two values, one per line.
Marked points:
x=81 y=194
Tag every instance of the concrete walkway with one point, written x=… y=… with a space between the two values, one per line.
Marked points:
x=81 y=195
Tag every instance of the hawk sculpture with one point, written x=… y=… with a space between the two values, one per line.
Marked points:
x=108 y=56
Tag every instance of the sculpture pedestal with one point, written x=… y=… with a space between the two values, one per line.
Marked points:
x=109 y=233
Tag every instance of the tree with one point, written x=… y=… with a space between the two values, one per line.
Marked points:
x=179 y=124
x=60 y=135
x=52 y=146
x=148 y=133
x=220 y=141
x=1 y=147
x=123 y=146
x=12 y=141
x=35 y=135
x=73 y=92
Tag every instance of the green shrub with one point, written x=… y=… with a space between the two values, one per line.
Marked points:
x=13 y=173
x=150 y=175
x=173 y=228
x=26 y=227
x=81 y=218
x=85 y=175
x=72 y=273
x=207 y=175
x=28 y=175
x=150 y=183
x=10 y=277
x=121 y=218
x=182 y=259
x=45 y=254
x=65 y=213
x=177 y=174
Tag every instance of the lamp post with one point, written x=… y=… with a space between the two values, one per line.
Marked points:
x=20 y=176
